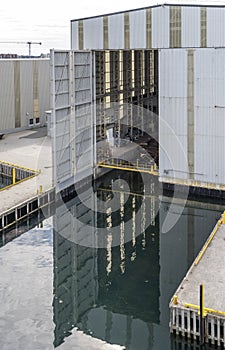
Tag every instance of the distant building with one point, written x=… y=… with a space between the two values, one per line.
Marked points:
x=24 y=93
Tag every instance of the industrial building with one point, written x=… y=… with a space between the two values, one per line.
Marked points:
x=157 y=72
x=24 y=93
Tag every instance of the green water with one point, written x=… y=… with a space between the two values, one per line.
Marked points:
x=51 y=287
x=5 y=181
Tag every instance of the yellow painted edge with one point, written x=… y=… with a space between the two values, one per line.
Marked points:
x=128 y=169
x=209 y=240
x=206 y=310
x=208 y=185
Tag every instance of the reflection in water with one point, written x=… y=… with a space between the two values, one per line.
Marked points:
x=120 y=292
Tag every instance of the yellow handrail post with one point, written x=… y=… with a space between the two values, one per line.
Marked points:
x=13 y=176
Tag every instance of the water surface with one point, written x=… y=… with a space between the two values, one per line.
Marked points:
x=51 y=287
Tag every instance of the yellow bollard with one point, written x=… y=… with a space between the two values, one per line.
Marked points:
x=41 y=189
x=175 y=300
x=13 y=176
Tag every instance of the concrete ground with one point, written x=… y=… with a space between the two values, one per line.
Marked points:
x=31 y=149
x=210 y=272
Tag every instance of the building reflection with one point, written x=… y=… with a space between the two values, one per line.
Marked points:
x=120 y=293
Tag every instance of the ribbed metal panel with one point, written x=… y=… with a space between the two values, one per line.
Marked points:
x=190 y=27
x=7 y=106
x=84 y=123
x=216 y=27
x=173 y=113
x=93 y=33
x=116 y=28
x=43 y=87
x=73 y=143
x=74 y=36
x=60 y=78
x=209 y=115
x=138 y=29
x=26 y=91
x=160 y=27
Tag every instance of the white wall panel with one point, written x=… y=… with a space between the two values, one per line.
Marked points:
x=173 y=113
x=26 y=88
x=216 y=27
x=93 y=33
x=7 y=97
x=190 y=20
x=116 y=31
x=74 y=35
x=209 y=115
x=160 y=27
x=43 y=87
x=138 y=29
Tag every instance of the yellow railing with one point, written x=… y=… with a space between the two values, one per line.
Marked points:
x=209 y=240
x=138 y=167
x=13 y=168
x=206 y=309
x=20 y=167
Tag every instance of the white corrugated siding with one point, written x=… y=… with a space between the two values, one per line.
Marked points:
x=216 y=27
x=190 y=20
x=138 y=29
x=210 y=115
x=93 y=33
x=26 y=88
x=7 y=106
x=43 y=87
x=74 y=35
x=173 y=113
x=116 y=31
x=160 y=27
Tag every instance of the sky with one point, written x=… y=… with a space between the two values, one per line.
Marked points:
x=48 y=21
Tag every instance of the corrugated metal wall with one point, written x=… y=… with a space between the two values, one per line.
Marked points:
x=116 y=27
x=169 y=26
x=209 y=115
x=7 y=105
x=191 y=27
x=73 y=116
x=192 y=104
x=173 y=111
x=24 y=92
x=93 y=33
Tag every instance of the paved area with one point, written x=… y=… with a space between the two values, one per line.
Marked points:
x=210 y=272
x=31 y=149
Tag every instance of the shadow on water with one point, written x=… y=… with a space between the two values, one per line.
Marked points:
x=120 y=293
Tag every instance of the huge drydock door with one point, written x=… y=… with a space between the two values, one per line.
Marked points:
x=73 y=117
